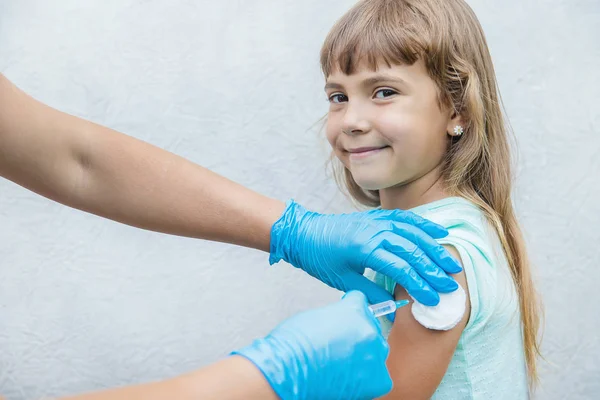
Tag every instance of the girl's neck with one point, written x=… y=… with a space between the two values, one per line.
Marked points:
x=423 y=190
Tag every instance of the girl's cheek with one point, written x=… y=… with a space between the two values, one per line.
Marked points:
x=330 y=139
x=396 y=129
x=331 y=134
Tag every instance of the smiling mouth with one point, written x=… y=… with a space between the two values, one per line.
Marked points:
x=363 y=152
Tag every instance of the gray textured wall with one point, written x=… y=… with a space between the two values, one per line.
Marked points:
x=235 y=86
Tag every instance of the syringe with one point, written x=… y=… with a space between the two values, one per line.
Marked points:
x=387 y=307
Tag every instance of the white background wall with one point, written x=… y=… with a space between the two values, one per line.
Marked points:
x=235 y=85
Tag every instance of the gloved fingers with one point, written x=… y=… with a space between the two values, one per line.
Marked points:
x=435 y=251
x=374 y=293
x=374 y=372
x=355 y=296
x=414 y=257
x=418 y=260
x=373 y=353
x=431 y=228
x=390 y=264
x=382 y=381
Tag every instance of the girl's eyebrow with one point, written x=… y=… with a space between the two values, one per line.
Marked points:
x=333 y=85
x=368 y=82
x=382 y=78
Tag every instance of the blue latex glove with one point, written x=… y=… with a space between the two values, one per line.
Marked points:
x=336 y=249
x=335 y=352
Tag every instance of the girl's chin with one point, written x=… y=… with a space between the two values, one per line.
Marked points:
x=366 y=184
x=376 y=184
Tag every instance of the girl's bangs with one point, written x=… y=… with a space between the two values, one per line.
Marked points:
x=369 y=36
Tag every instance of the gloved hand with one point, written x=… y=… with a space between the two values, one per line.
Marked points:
x=336 y=249
x=335 y=352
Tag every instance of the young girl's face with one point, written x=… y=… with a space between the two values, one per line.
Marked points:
x=386 y=126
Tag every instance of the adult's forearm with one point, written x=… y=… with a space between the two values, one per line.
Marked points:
x=234 y=378
x=96 y=169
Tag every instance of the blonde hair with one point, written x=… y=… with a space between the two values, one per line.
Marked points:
x=448 y=37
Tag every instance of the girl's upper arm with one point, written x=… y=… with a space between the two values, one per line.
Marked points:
x=419 y=357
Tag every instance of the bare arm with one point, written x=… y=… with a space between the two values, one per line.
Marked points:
x=419 y=357
x=234 y=378
x=96 y=169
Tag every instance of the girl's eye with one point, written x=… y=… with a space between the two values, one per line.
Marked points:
x=384 y=93
x=337 y=98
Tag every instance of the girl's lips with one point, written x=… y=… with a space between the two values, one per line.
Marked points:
x=364 y=152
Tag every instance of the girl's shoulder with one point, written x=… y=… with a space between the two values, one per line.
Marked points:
x=465 y=221
x=483 y=258
x=452 y=211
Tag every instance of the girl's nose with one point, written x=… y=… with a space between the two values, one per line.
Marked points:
x=355 y=122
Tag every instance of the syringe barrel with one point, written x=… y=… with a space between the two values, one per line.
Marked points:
x=383 y=308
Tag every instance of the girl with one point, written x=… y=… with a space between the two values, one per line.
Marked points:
x=415 y=120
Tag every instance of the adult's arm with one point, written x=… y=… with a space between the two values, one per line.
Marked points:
x=336 y=351
x=96 y=169
x=234 y=378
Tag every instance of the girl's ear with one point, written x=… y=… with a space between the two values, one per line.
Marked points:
x=456 y=125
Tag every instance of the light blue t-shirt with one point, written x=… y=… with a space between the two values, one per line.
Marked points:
x=489 y=360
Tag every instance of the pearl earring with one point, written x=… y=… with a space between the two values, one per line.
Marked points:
x=458 y=130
